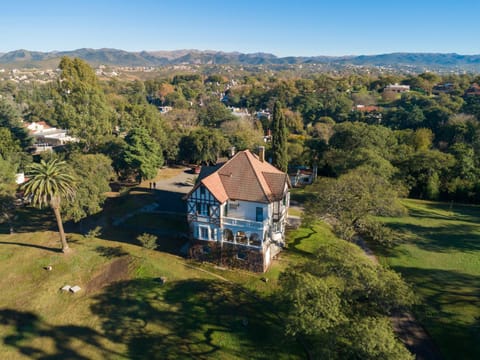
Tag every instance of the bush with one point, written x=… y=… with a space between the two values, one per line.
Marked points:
x=376 y=232
x=94 y=233
x=148 y=241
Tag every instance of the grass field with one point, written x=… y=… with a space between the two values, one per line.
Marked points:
x=124 y=310
x=440 y=255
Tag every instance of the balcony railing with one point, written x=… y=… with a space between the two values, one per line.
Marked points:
x=249 y=224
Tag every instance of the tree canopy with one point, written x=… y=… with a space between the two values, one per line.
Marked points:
x=338 y=303
x=142 y=154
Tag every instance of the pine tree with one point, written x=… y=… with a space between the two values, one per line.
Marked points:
x=279 y=138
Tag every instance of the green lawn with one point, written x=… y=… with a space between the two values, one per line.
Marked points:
x=440 y=255
x=124 y=310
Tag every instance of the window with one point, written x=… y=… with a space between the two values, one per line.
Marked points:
x=225 y=210
x=259 y=214
x=233 y=205
x=203 y=232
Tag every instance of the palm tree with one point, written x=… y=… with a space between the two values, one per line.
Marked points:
x=49 y=183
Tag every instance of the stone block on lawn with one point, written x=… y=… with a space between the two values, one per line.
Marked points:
x=75 y=288
x=66 y=288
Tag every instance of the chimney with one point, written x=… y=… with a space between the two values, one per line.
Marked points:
x=231 y=152
x=261 y=153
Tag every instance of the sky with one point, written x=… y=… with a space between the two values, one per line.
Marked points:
x=280 y=27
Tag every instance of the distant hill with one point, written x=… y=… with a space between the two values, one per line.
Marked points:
x=115 y=57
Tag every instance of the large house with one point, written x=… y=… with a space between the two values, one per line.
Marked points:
x=237 y=212
x=47 y=137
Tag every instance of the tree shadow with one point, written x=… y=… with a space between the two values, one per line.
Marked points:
x=111 y=252
x=56 y=250
x=29 y=219
x=450 y=309
x=190 y=319
x=447 y=211
x=68 y=341
x=293 y=245
x=462 y=237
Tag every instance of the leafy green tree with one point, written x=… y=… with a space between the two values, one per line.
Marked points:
x=214 y=114
x=359 y=144
x=279 y=138
x=7 y=191
x=203 y=146
x=81 y=106
x=243 y=133
x=425 y=172
x=143 y=155
x=93 y=173
x=50 y=183
x=352 y=199
x=339 y=301
x=10 y=118
x=8 y=144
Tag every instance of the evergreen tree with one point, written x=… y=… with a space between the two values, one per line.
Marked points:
x=80 y=104
x=279 y=138
x=143 y=155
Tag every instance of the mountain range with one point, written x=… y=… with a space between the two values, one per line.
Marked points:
x=115 y=57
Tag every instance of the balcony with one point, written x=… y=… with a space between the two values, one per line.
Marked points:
x=247 y=224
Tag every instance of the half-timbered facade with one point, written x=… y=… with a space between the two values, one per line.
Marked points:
x=237 y=212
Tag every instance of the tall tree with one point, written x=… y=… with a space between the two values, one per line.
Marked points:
x=351 y=199
x=10 y=118
x=93 y=173
x=50 y=183
x=81 y=105
x=279 y=138
x=143 y=155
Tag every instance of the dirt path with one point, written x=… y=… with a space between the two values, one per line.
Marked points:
x=116 y=270
x=407 y=328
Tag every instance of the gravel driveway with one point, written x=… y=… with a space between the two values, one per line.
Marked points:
x=169 y=192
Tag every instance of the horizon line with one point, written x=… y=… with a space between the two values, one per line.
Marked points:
x=245 y=53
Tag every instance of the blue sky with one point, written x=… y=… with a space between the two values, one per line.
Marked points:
x=281 y=27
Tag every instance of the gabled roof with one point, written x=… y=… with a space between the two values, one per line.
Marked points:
x=245 y=177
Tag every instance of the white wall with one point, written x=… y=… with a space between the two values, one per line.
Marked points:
x=246 y=210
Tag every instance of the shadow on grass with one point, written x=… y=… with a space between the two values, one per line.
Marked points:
x=446 y=211
x=293 y=245
x=111 y=252
x=27 y=326
x=462 y=237
x=57 y=250
x=450 y=309
x=190 y=319
x=29 y=219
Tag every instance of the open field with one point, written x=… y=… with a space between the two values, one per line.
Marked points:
x=440 y=255
x=123 y=309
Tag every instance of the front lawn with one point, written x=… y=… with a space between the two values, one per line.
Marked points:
x=440 y=255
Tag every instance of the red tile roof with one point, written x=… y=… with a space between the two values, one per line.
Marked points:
x=245 y=177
